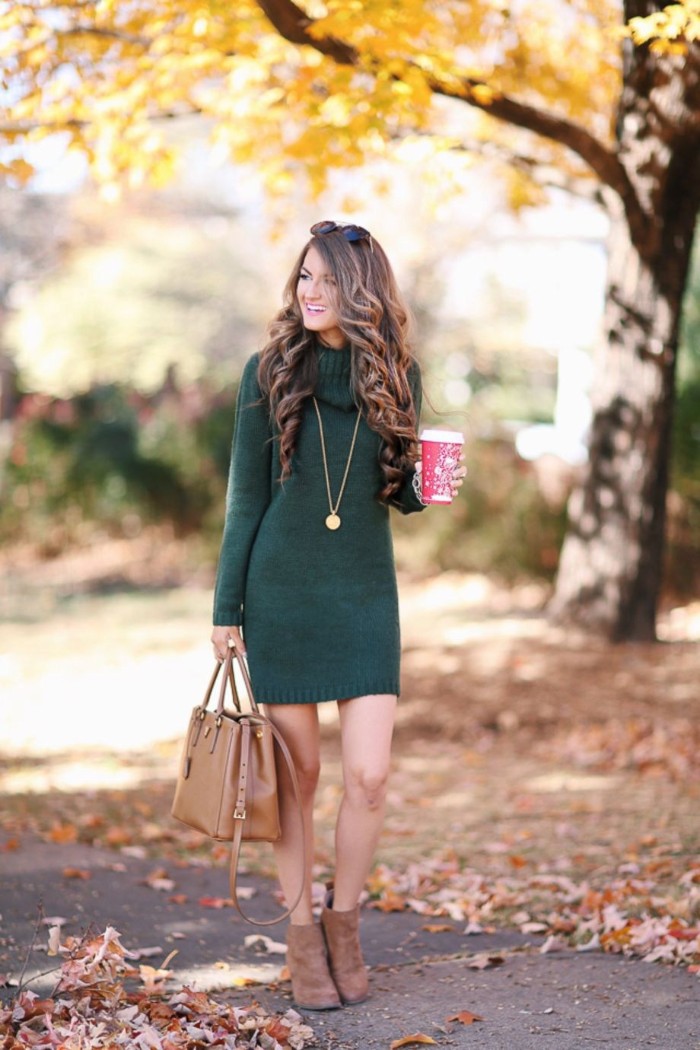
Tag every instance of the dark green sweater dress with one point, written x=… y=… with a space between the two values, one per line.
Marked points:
x=319 y=609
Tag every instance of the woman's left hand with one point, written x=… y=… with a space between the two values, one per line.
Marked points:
x=458 y=475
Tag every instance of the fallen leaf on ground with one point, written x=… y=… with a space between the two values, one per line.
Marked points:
x=410 y=1040
x=118 y=836
x=390 y=902
x=553 y=944
x=260 y=942
x=76 y=873
x=153 y=977
x=437 y=927
x=160 y=880
x=517 y=861
x=63 y=833
x=484 y=961
x=464 y=1017
x=215 y=902
x=54 y=943
x=146 y=953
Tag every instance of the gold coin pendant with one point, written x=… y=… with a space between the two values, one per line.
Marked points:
x=332 y=522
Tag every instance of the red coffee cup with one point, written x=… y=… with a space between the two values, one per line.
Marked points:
x=440 y=452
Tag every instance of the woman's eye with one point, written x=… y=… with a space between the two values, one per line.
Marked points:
x=303 y=276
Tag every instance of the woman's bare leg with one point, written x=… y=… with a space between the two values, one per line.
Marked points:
x=298 y=724
x=366 y=725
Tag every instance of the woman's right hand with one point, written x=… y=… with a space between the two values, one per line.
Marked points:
x=222 y=638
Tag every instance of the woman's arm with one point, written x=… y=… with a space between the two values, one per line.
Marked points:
x=247 y=497
x=406 y=499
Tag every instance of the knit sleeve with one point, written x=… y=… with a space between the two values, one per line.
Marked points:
x=406 y=500
x=247 y=497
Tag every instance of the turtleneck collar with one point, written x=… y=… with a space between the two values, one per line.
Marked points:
x=333 y=384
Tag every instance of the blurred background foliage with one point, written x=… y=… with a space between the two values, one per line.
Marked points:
x=124 y=331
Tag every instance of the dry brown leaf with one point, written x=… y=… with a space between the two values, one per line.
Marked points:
x=390 y=902
x=76 y=873
x=260 y=943
x=464 y=1017
x=411 y=1040
x=54 y=942
x=63 y=834
x=215 y=902
x=437 y=927
x=153 y=977
x=484 y=961
x=118 y=836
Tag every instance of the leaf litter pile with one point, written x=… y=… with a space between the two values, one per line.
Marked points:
x=93 y=1006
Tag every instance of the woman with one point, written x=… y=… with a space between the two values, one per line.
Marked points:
x=325 y=442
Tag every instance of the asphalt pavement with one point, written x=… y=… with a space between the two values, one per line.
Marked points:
x=421 y=979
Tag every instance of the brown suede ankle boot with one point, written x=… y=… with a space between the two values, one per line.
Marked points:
x=348 y=970
x=307 y=961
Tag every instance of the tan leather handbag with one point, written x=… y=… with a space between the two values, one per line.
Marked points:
x=227 y=781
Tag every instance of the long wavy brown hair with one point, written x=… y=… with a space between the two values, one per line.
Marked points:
x=376 y=323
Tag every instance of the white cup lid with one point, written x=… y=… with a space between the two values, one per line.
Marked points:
x=451 y=437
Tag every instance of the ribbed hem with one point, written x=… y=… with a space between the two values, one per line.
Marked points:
x=231 y=616
x=321 y=695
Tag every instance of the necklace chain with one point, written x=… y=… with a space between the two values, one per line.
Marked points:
x=333 y=521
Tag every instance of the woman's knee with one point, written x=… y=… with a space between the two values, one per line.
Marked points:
x=308 y=771
x=367 y=787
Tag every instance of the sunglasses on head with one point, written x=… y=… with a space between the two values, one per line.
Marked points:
x=349 y=231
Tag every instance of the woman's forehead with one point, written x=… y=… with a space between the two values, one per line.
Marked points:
x=314 y=263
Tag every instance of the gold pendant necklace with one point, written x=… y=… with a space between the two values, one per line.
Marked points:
x=332 y=519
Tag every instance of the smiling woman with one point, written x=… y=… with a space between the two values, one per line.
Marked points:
x=325 y=443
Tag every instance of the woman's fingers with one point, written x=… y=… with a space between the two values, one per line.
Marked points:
x=458 y=475
x=223 y=638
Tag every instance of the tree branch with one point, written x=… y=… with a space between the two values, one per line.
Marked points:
x=546 y=174
x=293 y=24
x=110 y=34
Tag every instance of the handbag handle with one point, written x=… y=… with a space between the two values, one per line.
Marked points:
x=229 y=677
x=239 y=811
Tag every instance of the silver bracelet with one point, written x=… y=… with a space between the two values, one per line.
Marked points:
x=416 y=482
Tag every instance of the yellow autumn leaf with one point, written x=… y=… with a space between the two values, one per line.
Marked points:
x=412 y=1040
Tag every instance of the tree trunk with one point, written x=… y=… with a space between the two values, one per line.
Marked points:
x=610 y=571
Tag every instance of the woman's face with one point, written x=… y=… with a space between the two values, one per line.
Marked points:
x=316 y=292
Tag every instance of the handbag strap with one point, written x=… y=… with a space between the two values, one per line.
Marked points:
x=239 y=815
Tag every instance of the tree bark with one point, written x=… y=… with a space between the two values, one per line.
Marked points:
x=610 y=570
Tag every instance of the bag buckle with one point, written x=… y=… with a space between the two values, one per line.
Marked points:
x=239 y=813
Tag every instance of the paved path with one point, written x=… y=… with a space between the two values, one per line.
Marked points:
x=419 y=979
